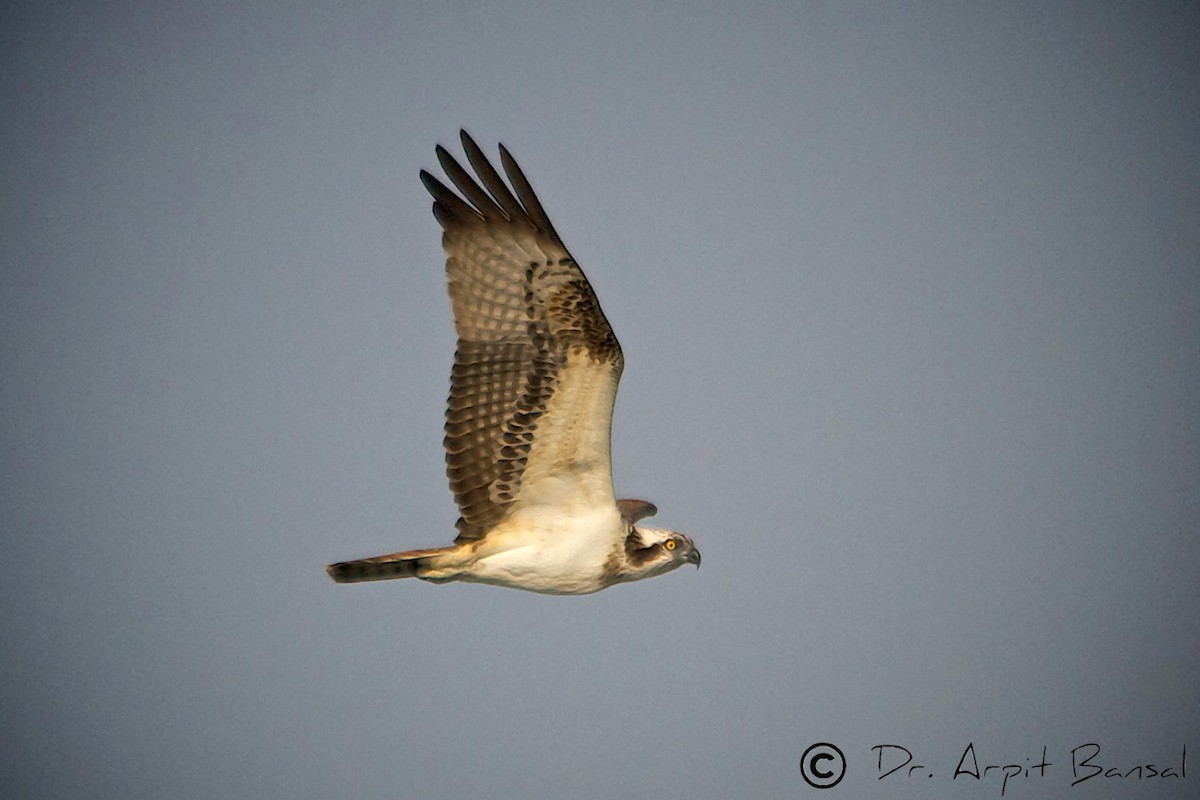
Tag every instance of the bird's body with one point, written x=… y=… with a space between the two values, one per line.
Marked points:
x=546 y=551
x=529 y=418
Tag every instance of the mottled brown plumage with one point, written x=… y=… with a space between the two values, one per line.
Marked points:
x=521 y=305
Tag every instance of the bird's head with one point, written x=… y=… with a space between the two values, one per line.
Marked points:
x=653 y=551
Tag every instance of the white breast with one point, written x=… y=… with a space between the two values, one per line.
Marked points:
x=542 y=549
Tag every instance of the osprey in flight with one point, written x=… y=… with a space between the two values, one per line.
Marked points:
x=529 y=420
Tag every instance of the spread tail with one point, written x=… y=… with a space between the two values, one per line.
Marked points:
x=408 y=564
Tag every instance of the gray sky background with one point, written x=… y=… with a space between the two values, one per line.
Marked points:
x=909 y=296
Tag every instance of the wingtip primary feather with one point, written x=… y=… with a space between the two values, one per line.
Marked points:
x=527 y=197
x=448 y=207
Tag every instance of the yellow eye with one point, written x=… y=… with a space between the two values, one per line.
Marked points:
x=669 y=544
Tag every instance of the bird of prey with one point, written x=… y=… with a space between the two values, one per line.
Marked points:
x=529 y=418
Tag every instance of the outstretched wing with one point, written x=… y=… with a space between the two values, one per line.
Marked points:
x=535 y=374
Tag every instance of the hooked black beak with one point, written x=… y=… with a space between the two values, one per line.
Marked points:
x=693 y=557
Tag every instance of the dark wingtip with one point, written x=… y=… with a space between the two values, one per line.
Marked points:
x=633 y=509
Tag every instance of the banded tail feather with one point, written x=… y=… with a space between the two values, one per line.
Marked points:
x=406 y=564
